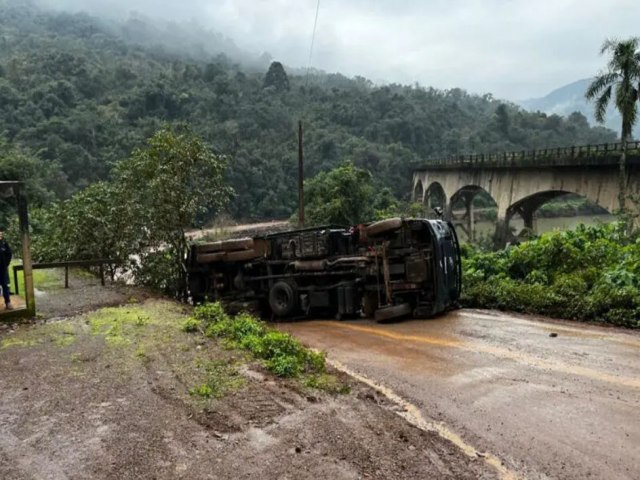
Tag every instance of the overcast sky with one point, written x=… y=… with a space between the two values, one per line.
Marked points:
x=515 y=49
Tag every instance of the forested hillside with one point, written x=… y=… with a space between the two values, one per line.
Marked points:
x=76 y=95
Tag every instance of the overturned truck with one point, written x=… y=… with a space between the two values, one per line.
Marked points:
x=388 y=269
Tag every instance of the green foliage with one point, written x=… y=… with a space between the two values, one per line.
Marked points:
x=172 y=182
x=591 y=274
x=76 y=93
x=155 y=195
x=94 y=223
x=191 y=325
x=327 y=383
x=276 y=77
x=220 y=378
x=210 y=313
x=341 y=196
x=621 y=81
x=282 y=354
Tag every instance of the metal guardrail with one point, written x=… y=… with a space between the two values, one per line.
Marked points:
x=597 y=154
x=66 y=265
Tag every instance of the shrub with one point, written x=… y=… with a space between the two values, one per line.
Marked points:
x=283 y=355
x=191 y=325
x=591 y=274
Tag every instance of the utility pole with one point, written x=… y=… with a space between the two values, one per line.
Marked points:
x=300 y=177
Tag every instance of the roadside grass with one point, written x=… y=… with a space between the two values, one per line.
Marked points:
x=49 y=279
x=279 y=352
x=220 y=378
x=157 y=337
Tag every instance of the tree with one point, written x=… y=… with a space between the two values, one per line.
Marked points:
x=94 y=223
x=173 y=180
x=276 y=77
x=342 y=196
x=622 y=79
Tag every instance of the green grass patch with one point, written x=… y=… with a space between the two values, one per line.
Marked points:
x=45 y=280
x=281 y=354
x=18 y=342
x=327 y=383
x=220 y=378
x=118 y=325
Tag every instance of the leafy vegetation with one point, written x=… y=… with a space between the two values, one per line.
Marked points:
x=622 y=80
x=155 y=195
x=590 y=274
x=282 y=354
x=220 y=378
x=78 y=96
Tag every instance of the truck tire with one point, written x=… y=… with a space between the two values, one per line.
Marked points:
x=369 y=304
x=383 y=226
x=395 y=311
x=283 y=298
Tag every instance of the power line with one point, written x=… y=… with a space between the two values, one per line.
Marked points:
x=313 y=37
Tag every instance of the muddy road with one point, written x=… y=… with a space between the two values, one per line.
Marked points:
x=546 y=399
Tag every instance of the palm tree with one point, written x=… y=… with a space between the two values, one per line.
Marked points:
x=622 y=79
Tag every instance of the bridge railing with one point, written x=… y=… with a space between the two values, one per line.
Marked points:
x=597 y=154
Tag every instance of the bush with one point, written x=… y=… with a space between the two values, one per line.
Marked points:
x=590 y=274
x=283 y=355
x=191 y=325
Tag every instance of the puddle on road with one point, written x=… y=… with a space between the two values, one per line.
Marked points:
x=496 y=352
x=414 y=416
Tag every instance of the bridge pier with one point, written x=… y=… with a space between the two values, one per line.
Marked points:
x=520 y=182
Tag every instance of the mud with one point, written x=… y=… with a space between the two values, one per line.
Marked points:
x=87 y=408
x=563 y=406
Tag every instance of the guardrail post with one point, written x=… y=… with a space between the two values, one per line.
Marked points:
x=66 y=276
x=15 y=280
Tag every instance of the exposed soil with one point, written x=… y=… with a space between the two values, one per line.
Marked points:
x=86 y=397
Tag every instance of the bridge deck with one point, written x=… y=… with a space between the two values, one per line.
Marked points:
x=599 y=155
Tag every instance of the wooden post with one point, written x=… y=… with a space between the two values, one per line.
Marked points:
x=102 y=275
x=15 y=281
x=23 y=216
x=300 y=178
x=66 y=276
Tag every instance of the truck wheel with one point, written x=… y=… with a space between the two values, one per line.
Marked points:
x=369 y=304
x=283 y=299
x=392 y=312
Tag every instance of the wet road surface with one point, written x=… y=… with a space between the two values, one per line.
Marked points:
x=565 y=406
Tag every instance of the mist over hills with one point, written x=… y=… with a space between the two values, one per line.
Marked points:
x=78 y=93
x=570 y=98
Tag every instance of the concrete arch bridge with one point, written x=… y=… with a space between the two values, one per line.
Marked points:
x=521 y=182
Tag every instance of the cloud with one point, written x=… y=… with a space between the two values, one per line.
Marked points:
x=512 y=48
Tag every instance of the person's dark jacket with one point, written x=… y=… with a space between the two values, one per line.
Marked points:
x=5 y=260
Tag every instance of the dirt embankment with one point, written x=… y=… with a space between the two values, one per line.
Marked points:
x=105 y=394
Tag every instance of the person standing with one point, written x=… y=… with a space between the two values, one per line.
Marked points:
x=5 y=260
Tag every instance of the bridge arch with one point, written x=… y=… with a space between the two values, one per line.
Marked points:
x=526 y=208
x=418 y=192
x=435 y=197
x=470 y=204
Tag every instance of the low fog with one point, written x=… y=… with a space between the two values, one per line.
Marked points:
x=513 y=49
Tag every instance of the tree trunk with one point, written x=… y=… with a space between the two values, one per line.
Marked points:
x=622 y=178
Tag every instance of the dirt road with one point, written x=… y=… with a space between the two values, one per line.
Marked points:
x=112 y=393
x=546 y=399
